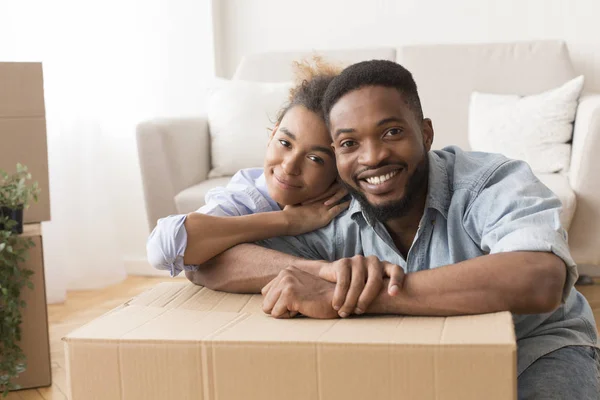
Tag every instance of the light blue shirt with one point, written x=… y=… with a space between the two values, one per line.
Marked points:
x=477 y=204
x=246 y=193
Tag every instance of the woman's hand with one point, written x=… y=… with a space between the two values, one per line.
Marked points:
x=315 y=213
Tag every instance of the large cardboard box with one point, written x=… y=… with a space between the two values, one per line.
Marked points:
x=34 y=327
x=23 y=129
x=180 y=341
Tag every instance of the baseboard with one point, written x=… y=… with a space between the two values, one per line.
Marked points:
x=141 y=267
x=590 y=270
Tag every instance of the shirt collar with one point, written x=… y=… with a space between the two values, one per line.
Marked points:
x=438 y=191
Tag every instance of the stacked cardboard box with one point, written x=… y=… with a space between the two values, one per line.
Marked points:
x=181 y=341
x=23 y=140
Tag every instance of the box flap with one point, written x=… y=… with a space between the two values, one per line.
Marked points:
x=183 y=312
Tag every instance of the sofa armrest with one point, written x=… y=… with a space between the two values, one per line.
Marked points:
x=584 y=179
x=174 y=154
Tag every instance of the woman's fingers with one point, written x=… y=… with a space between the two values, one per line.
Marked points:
x=335 y=211
x=330 y=192
x=339 y=194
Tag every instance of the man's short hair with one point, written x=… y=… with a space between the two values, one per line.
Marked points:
x=373 y=73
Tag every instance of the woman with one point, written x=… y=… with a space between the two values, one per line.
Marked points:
x=294 y=193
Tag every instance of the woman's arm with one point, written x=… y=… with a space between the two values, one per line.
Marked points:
x=208 y=236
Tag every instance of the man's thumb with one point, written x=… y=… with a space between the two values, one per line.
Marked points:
x=396 y=275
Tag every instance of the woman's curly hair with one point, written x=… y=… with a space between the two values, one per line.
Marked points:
x=312 y=77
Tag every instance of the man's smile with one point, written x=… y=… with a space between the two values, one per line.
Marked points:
x=382 y=182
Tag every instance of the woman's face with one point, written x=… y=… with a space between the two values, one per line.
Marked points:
x=300 y=163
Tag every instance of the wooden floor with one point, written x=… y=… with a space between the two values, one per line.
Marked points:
x=80 y=308
x=83 y=306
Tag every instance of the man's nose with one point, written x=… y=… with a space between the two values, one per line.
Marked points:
x=372 y=154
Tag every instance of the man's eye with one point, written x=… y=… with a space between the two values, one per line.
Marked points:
x=316 y=159
x=394 y=132
x=285 y=143
x=348 y=143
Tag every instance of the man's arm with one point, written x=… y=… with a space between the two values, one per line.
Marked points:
x=520 y=282
x=247 y=268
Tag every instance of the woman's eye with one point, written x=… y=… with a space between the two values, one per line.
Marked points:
x=348 y=143
x=285 y=143
x=394 y=132
x=316 y=159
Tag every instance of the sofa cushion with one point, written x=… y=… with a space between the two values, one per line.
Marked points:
x=240 y=115
x=559 y=184
x=537 y=129
x=446 y=75
x=277 y=66
x=192 y=198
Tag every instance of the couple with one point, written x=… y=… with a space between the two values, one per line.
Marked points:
x=442 y=232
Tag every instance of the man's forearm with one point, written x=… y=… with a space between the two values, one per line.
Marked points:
x=520 y=282
x=246 y=268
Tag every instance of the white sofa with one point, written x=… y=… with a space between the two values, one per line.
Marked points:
x=175 y=154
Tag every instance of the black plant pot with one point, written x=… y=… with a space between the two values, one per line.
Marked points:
x=16 y=214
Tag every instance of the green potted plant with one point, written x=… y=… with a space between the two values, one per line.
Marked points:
x=13 y=278
x=15 y=195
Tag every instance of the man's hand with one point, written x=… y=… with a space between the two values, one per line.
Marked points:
x=359 y=281
x=294 y=291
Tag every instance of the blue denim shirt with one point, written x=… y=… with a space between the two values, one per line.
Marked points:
x=477 y=204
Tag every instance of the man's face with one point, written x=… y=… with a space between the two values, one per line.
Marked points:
x=381 y=149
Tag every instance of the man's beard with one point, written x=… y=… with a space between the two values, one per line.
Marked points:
x=396 y=208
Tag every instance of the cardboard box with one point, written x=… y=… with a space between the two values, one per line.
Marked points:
x=34 y=328
x=180 y=341
x=23 y=129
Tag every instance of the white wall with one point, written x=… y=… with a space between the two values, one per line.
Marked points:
x=153 y=58
x=270 y=25
x=107 y=66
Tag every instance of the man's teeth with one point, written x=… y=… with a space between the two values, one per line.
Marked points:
x=378 y=180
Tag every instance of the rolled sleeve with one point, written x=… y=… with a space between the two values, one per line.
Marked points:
x=514 y=211
x=534 y=239
x=243 y=195
x=166 y=245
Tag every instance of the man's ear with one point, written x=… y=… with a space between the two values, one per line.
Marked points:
x=428 y=133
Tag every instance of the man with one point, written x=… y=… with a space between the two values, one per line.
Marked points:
x=474 y=233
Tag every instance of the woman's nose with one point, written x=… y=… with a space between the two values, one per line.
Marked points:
x=291 y=165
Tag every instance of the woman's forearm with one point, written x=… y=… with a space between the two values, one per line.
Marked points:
x=208 y=235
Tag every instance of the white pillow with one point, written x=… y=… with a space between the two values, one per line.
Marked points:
x=536 y=129
x=240 y=114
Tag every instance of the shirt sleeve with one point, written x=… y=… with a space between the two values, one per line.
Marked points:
x=167 y=243
x=514 y=211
